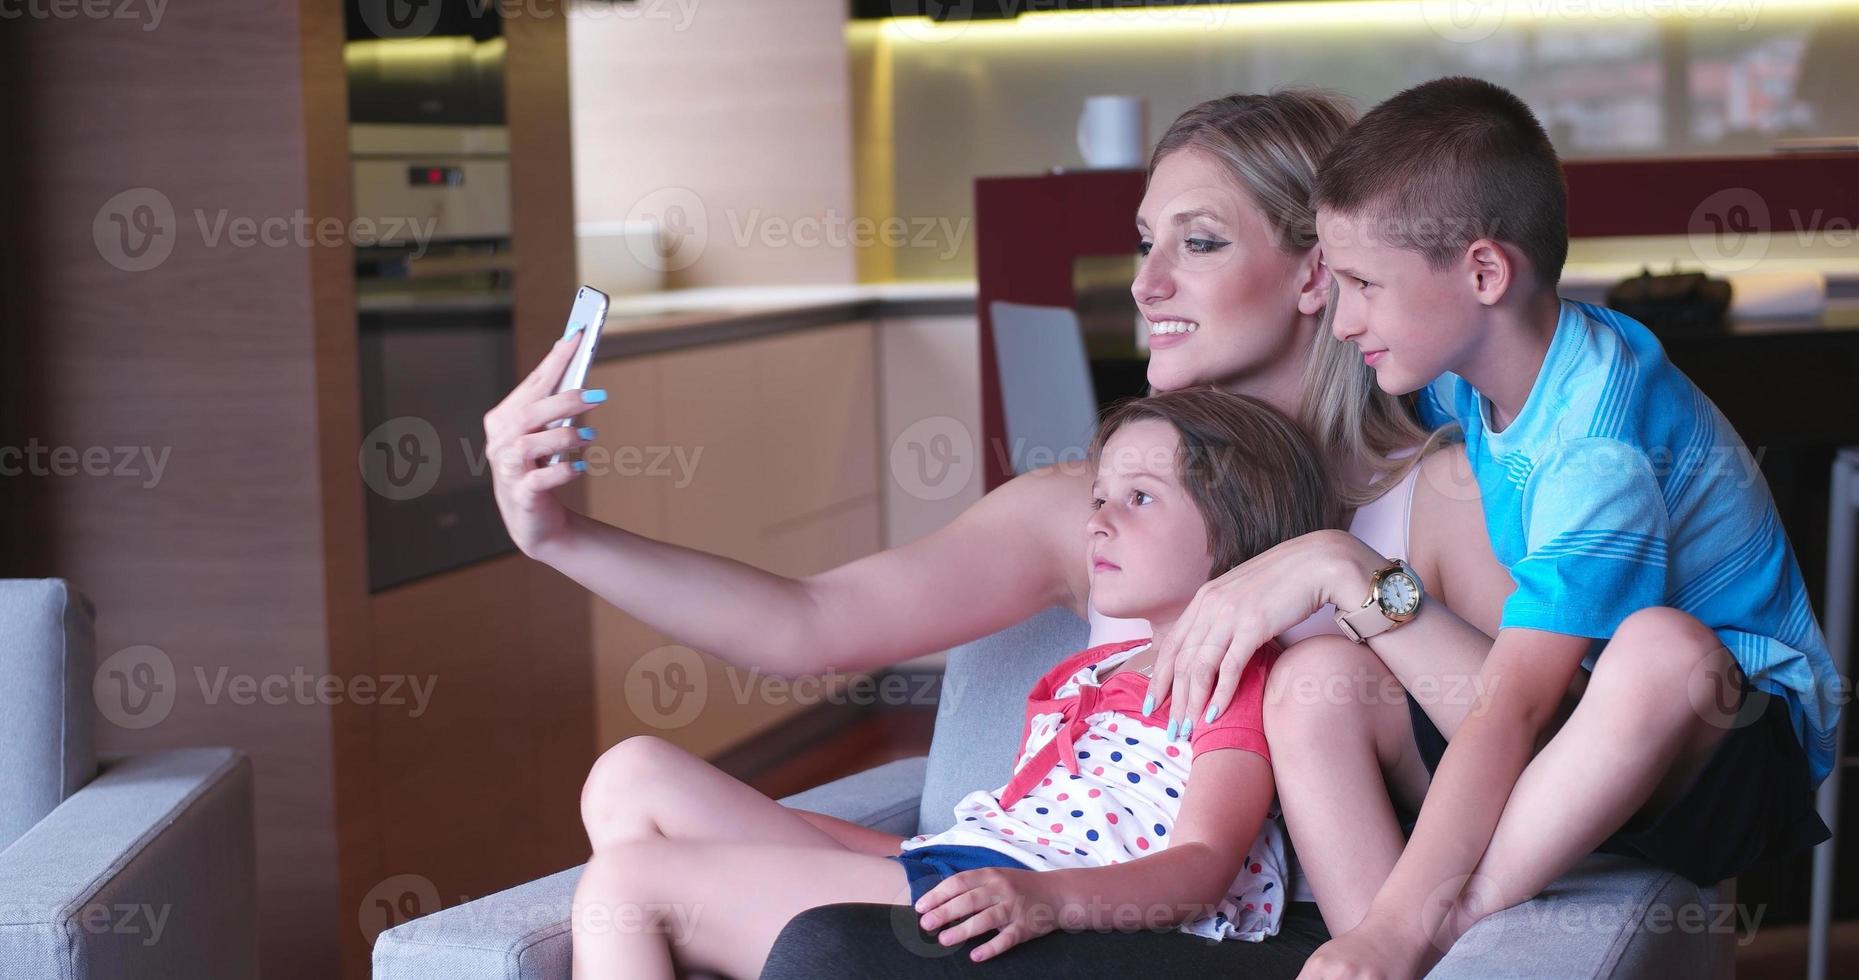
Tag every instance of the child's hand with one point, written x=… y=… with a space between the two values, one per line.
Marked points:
x=1375 y=949
x=1022 y=904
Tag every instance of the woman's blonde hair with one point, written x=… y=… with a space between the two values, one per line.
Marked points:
x=1271 y=145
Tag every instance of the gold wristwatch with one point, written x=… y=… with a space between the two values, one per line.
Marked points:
x=1394 y=594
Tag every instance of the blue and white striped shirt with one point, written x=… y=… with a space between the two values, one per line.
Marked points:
x=1619 y=486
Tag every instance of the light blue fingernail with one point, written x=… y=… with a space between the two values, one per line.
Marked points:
x=1149 y=705
x=1210 y=715
x=585 y=432
x=594 y=395
x=1171 y=729
x=580 y=466
x=573 y=328
x=1187 y=729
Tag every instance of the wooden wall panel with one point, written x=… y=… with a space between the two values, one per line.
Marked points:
x=739 y=107
x=482 y=792
x=207 y=357
x=786 y=481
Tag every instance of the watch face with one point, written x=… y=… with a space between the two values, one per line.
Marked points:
x=1398 y=595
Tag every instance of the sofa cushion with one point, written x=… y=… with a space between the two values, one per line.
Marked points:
x=982 y=708
x=46 y=652
x=1609 y=916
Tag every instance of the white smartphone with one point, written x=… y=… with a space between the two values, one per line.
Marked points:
x=588 y=315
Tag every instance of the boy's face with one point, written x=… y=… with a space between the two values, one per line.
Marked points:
x=1148 y=544
x=1411 y=321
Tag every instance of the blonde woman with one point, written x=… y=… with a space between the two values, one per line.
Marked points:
x=1236 y=294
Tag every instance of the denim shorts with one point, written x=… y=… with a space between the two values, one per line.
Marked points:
x=1752 y=803
x=926 y=867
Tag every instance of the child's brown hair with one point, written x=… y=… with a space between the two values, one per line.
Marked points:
x=1252 y=472
x=1446 y=163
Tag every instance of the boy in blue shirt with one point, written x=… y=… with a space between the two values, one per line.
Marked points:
x=1645 y=548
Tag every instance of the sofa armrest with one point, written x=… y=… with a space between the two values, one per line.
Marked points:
x=883 y=797
x=148 y=871
x=522 y=933
x=519 y=933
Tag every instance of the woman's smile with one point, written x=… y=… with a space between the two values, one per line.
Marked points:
x=1170 y=332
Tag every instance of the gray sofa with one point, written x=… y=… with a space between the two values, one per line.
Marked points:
x=116 y=866
x=1610 y=917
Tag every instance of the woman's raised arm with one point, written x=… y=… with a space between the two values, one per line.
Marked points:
x=1002 y=560
x=1018 y=550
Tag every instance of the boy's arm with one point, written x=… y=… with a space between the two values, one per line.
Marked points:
x=1521 y=686
x=1232 y=789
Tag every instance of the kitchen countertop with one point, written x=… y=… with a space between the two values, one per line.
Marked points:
x=653 y=322
x=675 y=319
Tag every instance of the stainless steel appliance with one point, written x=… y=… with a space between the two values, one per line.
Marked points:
x=434 y=314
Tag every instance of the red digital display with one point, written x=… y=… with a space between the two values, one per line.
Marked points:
x=431 y=176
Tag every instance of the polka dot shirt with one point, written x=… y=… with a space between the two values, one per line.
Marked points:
x=1097 y=783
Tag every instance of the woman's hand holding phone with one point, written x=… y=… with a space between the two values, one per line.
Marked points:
x=519 y=441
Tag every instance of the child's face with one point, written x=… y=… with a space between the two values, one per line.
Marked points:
x=1213 y=277
x=1148 y=543
x=1411 y=321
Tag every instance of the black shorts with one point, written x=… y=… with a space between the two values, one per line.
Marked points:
x=855 y=941
x=1752 y=803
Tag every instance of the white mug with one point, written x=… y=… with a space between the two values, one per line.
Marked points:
x=1113 y=131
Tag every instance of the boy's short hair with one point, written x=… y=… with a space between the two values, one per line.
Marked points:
x=1252 y=473
x=1446 y=163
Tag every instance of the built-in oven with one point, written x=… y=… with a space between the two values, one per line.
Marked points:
x=430 y=369
x=435 y=340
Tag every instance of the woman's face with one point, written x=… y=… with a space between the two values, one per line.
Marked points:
x=1222 y=300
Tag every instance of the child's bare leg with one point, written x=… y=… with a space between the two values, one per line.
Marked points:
x=646 y=787
x=1661 y=697
x=649 y=908
x=1342 y=742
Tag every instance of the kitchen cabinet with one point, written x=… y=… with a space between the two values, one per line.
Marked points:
x=762 y=450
